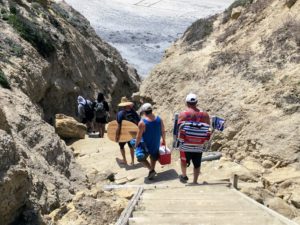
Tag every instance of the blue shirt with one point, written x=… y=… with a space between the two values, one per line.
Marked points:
x=152 y=134
x=131 y=116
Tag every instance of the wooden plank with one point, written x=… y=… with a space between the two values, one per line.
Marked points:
x=127 y=212
x=128 y=131
x=235 y=180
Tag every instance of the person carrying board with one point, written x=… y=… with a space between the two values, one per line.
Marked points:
x=126 y=113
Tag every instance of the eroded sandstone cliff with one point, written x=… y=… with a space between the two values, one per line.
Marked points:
x=48 y=56
x=244 y=66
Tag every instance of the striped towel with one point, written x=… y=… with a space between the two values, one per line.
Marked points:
x=193 y=136
x=218 y=123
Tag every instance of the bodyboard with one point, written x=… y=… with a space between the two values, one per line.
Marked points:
x=128 y=131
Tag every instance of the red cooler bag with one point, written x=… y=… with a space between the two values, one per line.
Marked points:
x=164 y=155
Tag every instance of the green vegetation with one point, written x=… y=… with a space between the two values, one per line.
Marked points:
x=13 y=9
x=3 y=11
x=237 y=3
x=5 y=17
x=38 y=38
x=3 y=80
x=15 y=49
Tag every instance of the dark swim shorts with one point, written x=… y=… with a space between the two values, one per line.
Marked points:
x=122 y=144
x=195 y=157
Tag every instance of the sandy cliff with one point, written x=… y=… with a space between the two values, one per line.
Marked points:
x=244 y=66
x=244 y=69
x=49 y=55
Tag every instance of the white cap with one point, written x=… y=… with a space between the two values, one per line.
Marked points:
x=191 y=98
x=146 y=107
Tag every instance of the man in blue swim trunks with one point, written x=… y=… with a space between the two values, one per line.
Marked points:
x=126 y=113
x=151 y=129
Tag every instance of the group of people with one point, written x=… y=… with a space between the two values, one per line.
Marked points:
x=94 y=114
x=151 y=132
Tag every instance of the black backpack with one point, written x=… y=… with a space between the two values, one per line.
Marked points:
x=89 y=112
x=100 y=110
x=132 y=116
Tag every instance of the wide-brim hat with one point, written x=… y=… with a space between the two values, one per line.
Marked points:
x=125 y=102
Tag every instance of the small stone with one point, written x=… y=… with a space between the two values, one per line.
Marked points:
x=128 y=194
x=67 y=127
x=267 y=164
x=79 y=195
x=236 y=12
x=111 y=177
x=295 y=200
x=286 y=184
x=280 y=206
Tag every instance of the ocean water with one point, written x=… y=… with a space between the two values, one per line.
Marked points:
x=142 y=29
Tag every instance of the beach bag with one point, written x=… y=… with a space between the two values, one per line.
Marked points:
x=164 y=155
x=194 y=136
x=100 y=110
x=141 y=152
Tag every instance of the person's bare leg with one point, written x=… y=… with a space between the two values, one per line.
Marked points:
x=103 y=129
x=88 y=126
x=183 y=168
x=123 y=155
x=196 y=175
x=91 y=125
x=132 y=155
x=146 y=164
x=153 y=162
x=99 y=129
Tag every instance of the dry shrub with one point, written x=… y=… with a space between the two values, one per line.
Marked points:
x=230 y=31
x=254 y=8
x=237 y=61
x=32 y=33
x=290 y=3
x=199 y=30
x=259 y=6
x=237 y=3
x=196 y=34
x=44 y=3
x=3 y=80
x=284 y=44
x=240 y=64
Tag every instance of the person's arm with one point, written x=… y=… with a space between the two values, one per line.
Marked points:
x=181 y=118
x=206 y=120
x=137 y=117
x=106 y=107
x=119 y=120
x=163 y=133
x=81 y=111
x=140 y=132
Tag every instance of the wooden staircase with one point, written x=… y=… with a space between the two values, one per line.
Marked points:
x=198 y=205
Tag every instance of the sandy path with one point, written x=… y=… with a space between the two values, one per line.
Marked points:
x=100 y=154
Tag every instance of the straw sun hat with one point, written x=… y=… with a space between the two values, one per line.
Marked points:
x=125 y=102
